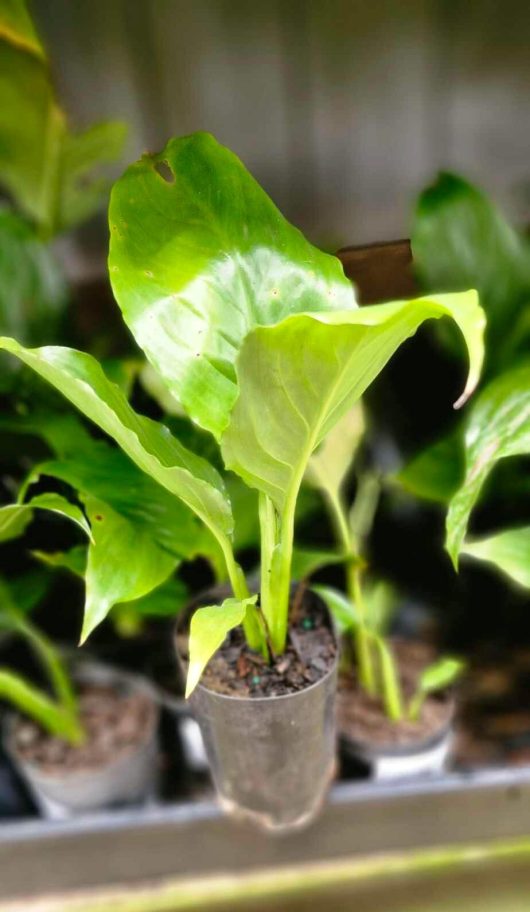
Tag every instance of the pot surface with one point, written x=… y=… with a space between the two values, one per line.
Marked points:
x=271 y=757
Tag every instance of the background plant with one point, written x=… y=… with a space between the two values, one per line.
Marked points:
x=364 y=612
x=461 y=238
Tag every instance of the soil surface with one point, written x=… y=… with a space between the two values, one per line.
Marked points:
x=235 y=670
x=362 y=718
x=114 y=723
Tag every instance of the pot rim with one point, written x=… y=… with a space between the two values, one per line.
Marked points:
x=419 y=746
x=86 y=666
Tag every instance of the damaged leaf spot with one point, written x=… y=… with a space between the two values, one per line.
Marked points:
x=164 y=171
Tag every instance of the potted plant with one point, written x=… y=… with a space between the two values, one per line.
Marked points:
x=394 y=712
x=258 y=335
x=91 y=745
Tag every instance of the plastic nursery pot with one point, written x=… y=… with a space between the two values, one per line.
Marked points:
x=415 y=759
x=128 y=778
x=271 y=758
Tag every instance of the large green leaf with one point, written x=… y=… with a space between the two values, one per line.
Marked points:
x=15 y=517
x=200 y=255
x=32 y=289
x=508 y=550
x=208 y=629
x=149 y=444
x=498 y=426
x=123 y=564
x=106 y=473
x=460 y=240
x=297 y=379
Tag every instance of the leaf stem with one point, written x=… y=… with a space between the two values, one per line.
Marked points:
x=60 y=680
x=391 y=690
x=280 y=576
x=254 y=634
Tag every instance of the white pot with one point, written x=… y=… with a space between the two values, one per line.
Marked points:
x=421 y=758
x=130 y=778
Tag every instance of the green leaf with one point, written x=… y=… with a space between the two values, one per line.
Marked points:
x=28 y=589
x=508 y=550
x=379 y=601
x=440 y=674
x=329 y=464
x=460 y=240
x=208 y=629
x=33 y=292
x=106 y=473
x=498 y=426
x=31 y=701
x=123 y=564
x=342 y=610
x=307 y=561
x=200 y=255
x=270 y=438
x=157 y=389
x=74 y=560
x=167 y=600
x=31 y=124
x=15 y=517
x=82 y=193
x=46 y=168
x=435 y=473
x=149 y=444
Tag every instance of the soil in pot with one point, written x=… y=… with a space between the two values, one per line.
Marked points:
x=361 y=719
x=115 y=766
x=114 y=723
x=235 y=670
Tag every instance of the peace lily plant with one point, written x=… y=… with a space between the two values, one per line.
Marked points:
x=257 y=334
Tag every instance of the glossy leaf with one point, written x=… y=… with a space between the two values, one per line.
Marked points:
x=106 y=473
x=123 y=564
x=149 y=444
x=208 y=629
x=461 y=240
x=199 y=256
x=508 y=550
x=15 y=517
x=498 y=427
x=271 y=436
x=167 y=600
